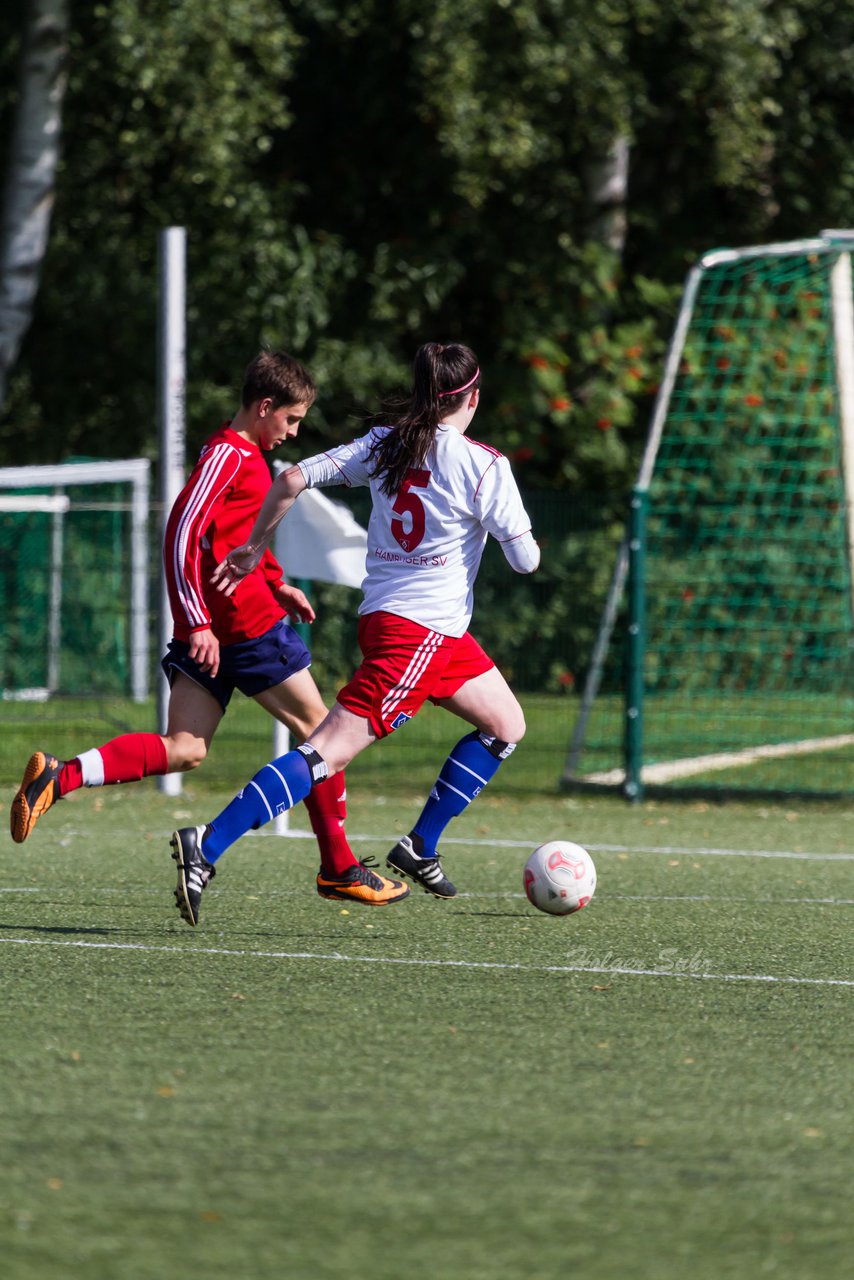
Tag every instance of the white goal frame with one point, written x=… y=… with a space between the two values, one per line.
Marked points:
x=842 y=313
x=136 y=472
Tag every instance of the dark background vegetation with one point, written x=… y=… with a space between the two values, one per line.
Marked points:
x=358 y=176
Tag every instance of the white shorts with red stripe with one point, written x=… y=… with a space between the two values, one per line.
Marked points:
x=403 y=666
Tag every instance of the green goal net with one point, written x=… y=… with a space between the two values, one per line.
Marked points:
x=732 y=647
x=75 y=649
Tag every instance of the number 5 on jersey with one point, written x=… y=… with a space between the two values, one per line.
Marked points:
x=408 y=503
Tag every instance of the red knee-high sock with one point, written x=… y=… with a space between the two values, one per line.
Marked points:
x=327 y=811
x=124 y=759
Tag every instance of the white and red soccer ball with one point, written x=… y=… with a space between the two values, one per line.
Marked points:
x=559 y=878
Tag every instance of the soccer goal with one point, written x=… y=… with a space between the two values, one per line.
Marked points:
x=75 y=554
x=724 y=660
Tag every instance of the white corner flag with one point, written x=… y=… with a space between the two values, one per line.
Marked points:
x=322 y=541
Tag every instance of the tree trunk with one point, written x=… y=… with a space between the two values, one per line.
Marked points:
x=29 y=188
x=607 y=181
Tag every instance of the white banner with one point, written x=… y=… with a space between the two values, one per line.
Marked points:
x=322 y=541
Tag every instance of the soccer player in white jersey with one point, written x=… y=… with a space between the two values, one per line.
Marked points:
x=436 y=496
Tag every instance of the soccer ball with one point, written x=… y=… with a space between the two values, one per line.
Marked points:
x=560 y=878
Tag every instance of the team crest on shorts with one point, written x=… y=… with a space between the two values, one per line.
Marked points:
x=399 y=720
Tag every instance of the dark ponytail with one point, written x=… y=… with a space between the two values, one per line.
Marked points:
x=442 y=376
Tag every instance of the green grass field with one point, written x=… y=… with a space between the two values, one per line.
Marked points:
x=675 y=731
x=657 y=1087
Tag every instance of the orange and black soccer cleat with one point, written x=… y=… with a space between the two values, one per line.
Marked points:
x=361 y=884
x=38 y=791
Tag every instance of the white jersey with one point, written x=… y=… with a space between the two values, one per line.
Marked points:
x=425 y=543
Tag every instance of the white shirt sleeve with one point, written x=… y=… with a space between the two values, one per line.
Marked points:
x=522 y=553
x=502 y=514
x=345 y=464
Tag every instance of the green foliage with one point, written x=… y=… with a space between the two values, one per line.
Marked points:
x=541 y=629
x=169 y=115
x=357 y=177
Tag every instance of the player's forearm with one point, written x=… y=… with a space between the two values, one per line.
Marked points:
x=283 y=493
x=522 y=553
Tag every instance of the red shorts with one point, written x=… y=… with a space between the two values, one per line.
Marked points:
x=404 y=665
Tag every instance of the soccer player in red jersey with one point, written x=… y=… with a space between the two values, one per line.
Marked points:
x=221 y=643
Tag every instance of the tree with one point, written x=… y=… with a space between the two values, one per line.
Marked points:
x=28 y=197
x=357 y=174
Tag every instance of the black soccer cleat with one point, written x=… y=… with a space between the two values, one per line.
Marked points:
x=424 y=871
x=39 y=790
x=194 y=871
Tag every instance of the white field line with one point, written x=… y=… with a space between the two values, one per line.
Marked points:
x=674 y=851
x=491 y=966
x=709 y=897
x=669 y=850
x=671 y=770
x=505 y=894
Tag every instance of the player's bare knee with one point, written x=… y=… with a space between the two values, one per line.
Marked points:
x=509 y=721
x=501 y=748
x=510 y=729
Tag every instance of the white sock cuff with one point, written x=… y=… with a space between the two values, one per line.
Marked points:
x=92 y=768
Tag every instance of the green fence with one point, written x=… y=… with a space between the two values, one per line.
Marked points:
x=65 y=592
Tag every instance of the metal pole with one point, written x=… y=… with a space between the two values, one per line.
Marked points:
x=842 y=299
x=171 y=377
x=281 y=744
x=281 y=737
x=139 y=588
x=54 y=632
x=636 y=639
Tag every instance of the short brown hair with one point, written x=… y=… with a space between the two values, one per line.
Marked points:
x=279 y=376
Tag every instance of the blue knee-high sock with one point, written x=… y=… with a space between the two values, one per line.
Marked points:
x=277 y=787
x=464 y=775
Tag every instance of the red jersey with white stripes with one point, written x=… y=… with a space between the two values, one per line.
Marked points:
x=213 y=514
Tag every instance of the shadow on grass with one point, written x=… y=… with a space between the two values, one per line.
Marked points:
x=63 y=929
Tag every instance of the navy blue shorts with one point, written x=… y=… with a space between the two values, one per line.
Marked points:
x=250 y=666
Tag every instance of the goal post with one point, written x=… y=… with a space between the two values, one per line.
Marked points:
x=842 y=287
x=101 y=517
x=727 y=666
x=75 y=555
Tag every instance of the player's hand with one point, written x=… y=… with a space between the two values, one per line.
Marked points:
x=237 y=565
x=204 y=650
x=296 y=602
